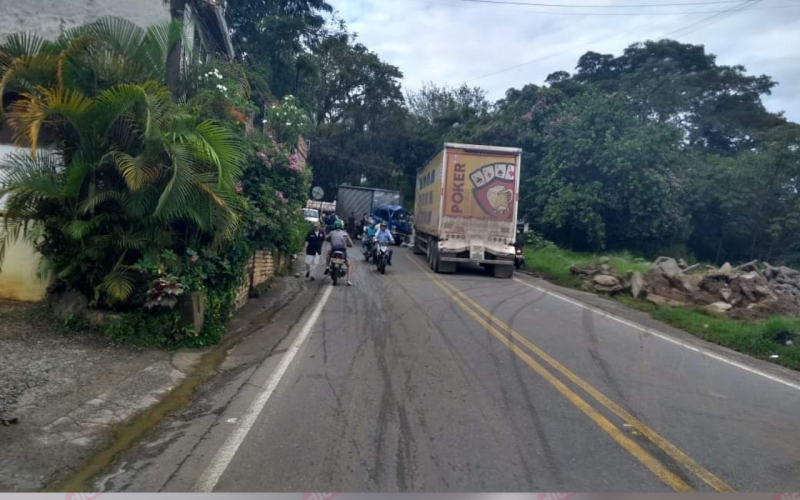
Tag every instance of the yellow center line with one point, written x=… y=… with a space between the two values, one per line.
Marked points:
x=670 y=449
x=656 y=467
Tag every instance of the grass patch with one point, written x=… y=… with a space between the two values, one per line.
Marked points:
x=554 y=263
x=760 y=339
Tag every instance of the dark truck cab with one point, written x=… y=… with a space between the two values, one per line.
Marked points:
x=397 y=218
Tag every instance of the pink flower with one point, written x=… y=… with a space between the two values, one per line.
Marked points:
x=238 y=188
x=528 y=117
x=193 y=259
x=264 y=158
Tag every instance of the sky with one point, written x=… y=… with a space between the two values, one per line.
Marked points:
x=498 y=46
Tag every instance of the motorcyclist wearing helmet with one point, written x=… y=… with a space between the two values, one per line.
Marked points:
x=340 y=241
x=384 y=237
x=368 y=235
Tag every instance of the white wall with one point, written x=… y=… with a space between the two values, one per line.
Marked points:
x=49 y=17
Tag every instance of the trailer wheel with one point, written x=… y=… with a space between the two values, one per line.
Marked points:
x=504 y=272
x=416 y=248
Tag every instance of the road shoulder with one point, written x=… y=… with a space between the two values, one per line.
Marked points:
x=643 y=322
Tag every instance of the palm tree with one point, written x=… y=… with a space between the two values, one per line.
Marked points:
x=134 y=173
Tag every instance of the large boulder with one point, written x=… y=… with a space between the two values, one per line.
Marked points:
x=714 y=283
x=682 y=283
x=753 y=286
x=718 y=308
x=637 y=285
x=68 y=304
x=789 y=272
x=604 y=283
x=668 y=266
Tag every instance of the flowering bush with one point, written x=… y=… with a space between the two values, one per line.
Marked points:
x=287 y=120
x=276 y=188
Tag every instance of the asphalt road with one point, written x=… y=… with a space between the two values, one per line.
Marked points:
x=416 y=382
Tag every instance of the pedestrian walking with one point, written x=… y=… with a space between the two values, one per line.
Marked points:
x=313 y=248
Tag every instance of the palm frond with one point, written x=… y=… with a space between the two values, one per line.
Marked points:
x=116 y=33
x=220 y=147
x=28 y=72
x=118 y=285
x=39 y=177
x=137 y=171
x=79 y=229
x=29 y=114
x=94 y=200
x=173 y=200
x=24 y=44
x=76 y=176
x=157 y=43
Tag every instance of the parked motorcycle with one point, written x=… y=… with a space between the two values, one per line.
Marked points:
x=382 y=255
x=338 y=266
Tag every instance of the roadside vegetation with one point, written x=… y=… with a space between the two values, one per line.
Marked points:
x=146 y=195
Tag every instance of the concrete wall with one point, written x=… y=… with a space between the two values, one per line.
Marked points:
x=18 y=279
x=49 y=18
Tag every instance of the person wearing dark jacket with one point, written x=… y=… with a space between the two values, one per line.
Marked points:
x=313 y=248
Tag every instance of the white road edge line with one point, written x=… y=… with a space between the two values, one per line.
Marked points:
x=664 y=336
x=208 y=480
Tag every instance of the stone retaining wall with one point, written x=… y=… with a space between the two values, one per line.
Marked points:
x=263 y=266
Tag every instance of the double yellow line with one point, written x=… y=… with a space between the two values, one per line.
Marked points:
x=515 y=342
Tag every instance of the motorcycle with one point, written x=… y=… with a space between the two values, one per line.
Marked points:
x=338 y=266
x=382 y=254
x=519 y=255
x=369 y=246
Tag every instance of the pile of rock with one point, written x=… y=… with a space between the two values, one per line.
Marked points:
x=601 y=277
x=751 y=290
x=747 y=291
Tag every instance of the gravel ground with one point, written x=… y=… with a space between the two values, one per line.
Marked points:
x=38 y=363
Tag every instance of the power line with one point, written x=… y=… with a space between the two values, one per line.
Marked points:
x=589 y=6
x=707 y=21
x=554 y=54
x=610 y=14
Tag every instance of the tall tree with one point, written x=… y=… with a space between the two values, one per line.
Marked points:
x=606 y=179
x=273 y=37
x=358 y=112
x=719 y=107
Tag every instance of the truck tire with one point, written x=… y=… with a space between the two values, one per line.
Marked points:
x=416 y=248
x=504 y=272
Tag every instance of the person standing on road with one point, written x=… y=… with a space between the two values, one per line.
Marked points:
x=313 y=248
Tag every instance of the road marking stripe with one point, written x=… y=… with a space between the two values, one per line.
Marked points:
x=656 y=467
x=663 y=336
x=210 y=477
x=670 y=449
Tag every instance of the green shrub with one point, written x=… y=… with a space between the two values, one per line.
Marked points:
x=147 y=330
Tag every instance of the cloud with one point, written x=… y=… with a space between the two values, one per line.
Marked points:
x=450 y=42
